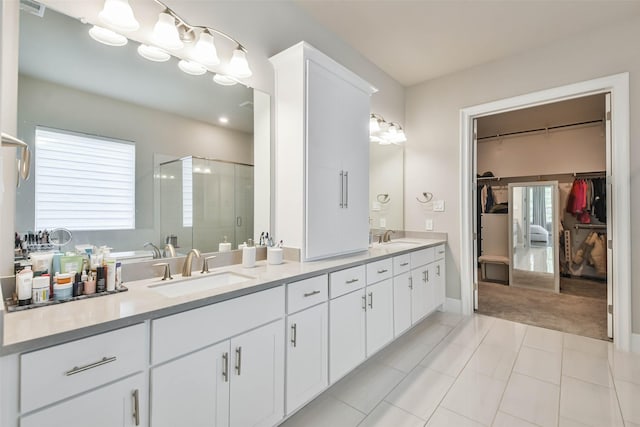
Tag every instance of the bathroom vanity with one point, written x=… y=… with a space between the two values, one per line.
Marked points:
x=248 y=351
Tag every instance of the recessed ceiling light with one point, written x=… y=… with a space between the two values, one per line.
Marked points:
x=223 y=119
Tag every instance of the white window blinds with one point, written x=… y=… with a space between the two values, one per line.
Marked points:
x=187 y=192
x=83 y=182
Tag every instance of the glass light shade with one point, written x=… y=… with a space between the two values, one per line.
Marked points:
x=118 y=15
x=223 y=80
x=192 y=68
x=374 y=125
x=108 y=37
x=238 y=66
x=205 y=51
x=165 y=34
x=153 y=53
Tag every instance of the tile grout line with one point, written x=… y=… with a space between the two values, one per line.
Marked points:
x=615 y=387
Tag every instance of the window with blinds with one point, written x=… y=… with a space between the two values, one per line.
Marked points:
x=187 y=192
x=83 y=182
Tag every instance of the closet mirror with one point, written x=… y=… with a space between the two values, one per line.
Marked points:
x=533 y=219
x=71 y=84
x=386 y=186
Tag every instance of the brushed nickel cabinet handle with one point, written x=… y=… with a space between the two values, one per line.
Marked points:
x=384 y=270
x=346 y=190
x=77 y=370
x=404 y=264
x=424 y=276
x=294 y=334
x=136 y=406
x=238 y=360
x=427 y=273
x=308 y=294
x=225 y=366
x=342 y=189
x=348 y=282
x=438 y=270
x=410 y=282
x=364 y=302
x=371 y=300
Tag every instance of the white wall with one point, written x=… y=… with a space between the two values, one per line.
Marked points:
x=433 y=114
x=154 y=132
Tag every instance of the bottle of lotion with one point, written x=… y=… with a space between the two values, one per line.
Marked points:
x=24 y=285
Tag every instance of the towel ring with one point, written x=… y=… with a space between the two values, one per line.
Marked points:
x=426 y=197
x=383 y=198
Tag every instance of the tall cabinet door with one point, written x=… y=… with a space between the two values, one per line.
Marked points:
x=257 y=377
x=379 y=315
x=402 y=290
x=307 y=355
x=192 y=390
x=420 y=295
x=440 y=283
x=346 y=333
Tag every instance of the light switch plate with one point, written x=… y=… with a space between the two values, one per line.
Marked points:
x=383 y=222
x=428 y=224
x=438 y=206
x=376 y=207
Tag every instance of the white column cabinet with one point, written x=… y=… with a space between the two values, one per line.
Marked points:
x=322 y=152
x=118 y=404
x=307 y=355
x=379 y=309
x=347 y=333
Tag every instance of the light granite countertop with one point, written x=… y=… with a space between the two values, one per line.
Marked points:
x=41 y=327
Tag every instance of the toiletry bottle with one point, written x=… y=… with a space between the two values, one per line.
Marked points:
x=101 y=284
x=118 y=275
x=111 y=273
x=77 y=285
x=249 y=255
x=90 y=285
x=24 y=283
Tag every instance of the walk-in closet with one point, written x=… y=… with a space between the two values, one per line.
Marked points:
x=541 y=215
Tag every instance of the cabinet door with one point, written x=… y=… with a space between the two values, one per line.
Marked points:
x=379 y=315
x=307 y=355
x=120 y=404
x=192 y=390
x=257 y=377
x=346 y=334
x=402 y=302
x=440 y=283
x=420 y=295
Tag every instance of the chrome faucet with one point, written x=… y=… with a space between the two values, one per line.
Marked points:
x=169 y=249
x=188 y=262
x=156 y=251
x=386 y=237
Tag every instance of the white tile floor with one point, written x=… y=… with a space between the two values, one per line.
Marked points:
x=480 y=371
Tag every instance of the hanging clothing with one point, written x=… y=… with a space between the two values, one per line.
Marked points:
x=600 y=199
x=490 y=200
x=483 y=199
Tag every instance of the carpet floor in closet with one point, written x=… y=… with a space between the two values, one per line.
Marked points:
x=579 y=309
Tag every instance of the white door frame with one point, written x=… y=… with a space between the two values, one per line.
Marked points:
x=618 y=177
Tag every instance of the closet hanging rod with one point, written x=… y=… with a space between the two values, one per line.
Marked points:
x=500 y=135
x=598 y=174
x=578 y=226
x=565 y=177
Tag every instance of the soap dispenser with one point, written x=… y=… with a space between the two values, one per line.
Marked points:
x=224 y=246
x=249 y=255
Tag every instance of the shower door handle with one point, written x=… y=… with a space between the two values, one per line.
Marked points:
x=239 y=221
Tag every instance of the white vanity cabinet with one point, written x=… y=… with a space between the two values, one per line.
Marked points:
x=220 y=365
x=322 y=181
x=307 y=341
x=379 y=304
x=427 y=281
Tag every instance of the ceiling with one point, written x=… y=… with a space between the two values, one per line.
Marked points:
x=414 y=41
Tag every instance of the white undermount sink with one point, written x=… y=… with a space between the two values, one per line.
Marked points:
x=396 y=243
x=198 y=284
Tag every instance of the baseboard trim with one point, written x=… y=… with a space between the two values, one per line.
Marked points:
x=635 y=343
x=453 y=305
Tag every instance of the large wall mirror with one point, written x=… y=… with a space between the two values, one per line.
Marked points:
x=386 y=186
x=71 y=84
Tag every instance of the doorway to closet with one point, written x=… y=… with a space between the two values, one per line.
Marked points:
x=541 y=215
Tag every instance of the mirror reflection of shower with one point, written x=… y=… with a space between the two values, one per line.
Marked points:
x=533 y=237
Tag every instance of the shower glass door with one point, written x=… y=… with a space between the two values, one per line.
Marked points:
x=533 y=237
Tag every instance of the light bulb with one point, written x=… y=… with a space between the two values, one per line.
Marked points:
x=204 y=50
x=223 y=80
x=118 y=15
x=192 y=68
x=238 y=66
x=374 y=124
x=153 y=53
x=165 y=34
x=108 y=37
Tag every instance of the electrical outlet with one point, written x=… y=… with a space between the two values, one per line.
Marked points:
x=438 y=206
x=428 y=224
x=376 y=207
x=383 y=222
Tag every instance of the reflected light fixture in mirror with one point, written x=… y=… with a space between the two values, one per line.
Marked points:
x=384 y=132
x=172 y=33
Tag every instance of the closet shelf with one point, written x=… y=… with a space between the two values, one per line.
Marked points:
x=562 y=177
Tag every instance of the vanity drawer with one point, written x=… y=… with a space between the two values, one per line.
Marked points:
x=64 y=370
x=422 y=257
x=401 y=264
x=379 y=270
x=344 y=281
x=439 y=251
x=306 y=293
x=181 y=333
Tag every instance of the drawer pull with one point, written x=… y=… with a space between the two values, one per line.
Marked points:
x=294 y=334
x=384 y=270
x=404 y=264
x=348 y=282
x=136 y=406
x=77 y=370
x=238 y=360
x=225 y=366
x=308 y=294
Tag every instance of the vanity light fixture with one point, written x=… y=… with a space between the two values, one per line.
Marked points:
x=106 y=36
x=153 y=53
x=383 y=132
x=205 y=51
x=395 y=134
x=192 y=68
x=223 y=80
x=118 y=15
x=165 y=33
x=238 y=66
